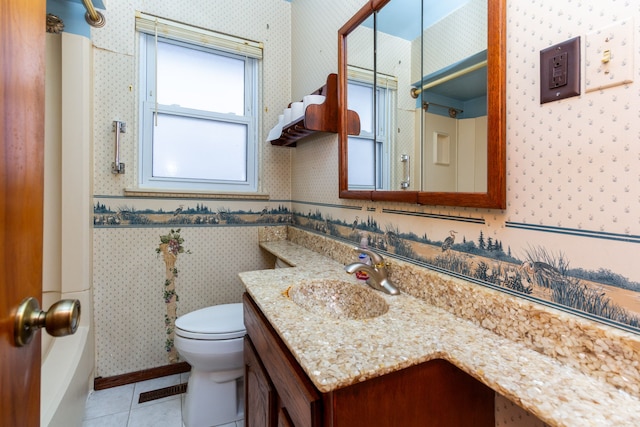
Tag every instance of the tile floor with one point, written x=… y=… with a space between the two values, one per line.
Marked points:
x=119 y=407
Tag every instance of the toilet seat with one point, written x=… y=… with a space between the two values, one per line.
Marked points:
x=219 y=322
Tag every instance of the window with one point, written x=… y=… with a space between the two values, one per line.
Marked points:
x=198 y=108
x=369 y=152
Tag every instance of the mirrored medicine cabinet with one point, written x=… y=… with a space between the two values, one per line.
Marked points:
x=427 y=79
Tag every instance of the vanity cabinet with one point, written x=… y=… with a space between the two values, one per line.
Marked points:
x=279 y=393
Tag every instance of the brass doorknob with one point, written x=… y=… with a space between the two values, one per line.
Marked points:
x=61 y=319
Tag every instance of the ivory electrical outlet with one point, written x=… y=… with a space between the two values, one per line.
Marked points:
x=560 y=71
x=609 y=56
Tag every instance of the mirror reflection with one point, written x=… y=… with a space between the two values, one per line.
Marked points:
x=417 y=77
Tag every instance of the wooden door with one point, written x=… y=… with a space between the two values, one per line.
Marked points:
x=22 y=45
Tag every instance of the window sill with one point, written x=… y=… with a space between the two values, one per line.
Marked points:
x=191 y=194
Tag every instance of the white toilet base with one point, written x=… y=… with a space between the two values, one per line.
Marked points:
x=209 y=403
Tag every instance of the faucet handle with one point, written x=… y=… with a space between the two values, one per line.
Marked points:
x=376 y=258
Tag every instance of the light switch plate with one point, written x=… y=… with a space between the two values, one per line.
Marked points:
x=609 y=56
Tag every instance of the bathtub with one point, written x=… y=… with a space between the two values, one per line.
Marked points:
x=67 y=373
x=67 y=365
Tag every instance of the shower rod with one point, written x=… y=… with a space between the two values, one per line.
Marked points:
x=93 y=17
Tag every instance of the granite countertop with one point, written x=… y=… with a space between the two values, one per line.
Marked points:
x=337 y=352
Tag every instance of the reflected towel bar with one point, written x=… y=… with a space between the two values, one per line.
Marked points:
x=453 y=112
x=405 y=158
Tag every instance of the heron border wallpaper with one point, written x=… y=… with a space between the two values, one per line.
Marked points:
x=467 y=250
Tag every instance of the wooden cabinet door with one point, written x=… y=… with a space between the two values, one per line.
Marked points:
x=295 y=390
x=260 y=399
x=283 y=418
x=432 y=394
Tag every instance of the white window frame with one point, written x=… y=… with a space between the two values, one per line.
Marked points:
x=153 y=30
x=386 y=90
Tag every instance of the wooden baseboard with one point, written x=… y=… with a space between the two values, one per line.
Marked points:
x=101 y=383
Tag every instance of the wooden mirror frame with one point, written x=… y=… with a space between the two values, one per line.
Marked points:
x=495 y=197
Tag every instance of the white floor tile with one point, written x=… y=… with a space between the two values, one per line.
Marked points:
x=112 y=420
x=110 y=401
x=233 y=424
x=119 y=407
x=154 y=384
x=165 y=414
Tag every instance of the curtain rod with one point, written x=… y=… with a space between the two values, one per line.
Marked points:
x=93 y=17
x=416 y=91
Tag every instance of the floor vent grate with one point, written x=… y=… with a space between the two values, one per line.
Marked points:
x=162 y=392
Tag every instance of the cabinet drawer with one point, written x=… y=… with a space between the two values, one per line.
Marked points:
x=296 y=392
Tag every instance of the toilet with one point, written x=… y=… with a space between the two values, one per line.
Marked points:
x=211 y=340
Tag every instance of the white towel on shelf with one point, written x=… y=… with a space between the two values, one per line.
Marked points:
x=276 y=131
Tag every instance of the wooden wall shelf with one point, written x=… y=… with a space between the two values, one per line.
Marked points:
x=319 y=117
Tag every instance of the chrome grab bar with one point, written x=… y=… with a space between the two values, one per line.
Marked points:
x=406 y=159
x=118 y=128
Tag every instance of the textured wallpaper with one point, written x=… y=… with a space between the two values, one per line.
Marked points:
x=571 y=228
x=130 y=282
x=128 y=275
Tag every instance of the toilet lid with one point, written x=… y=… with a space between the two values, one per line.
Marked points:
x=219 y=322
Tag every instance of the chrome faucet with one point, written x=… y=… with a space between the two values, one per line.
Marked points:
x=377 y=272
